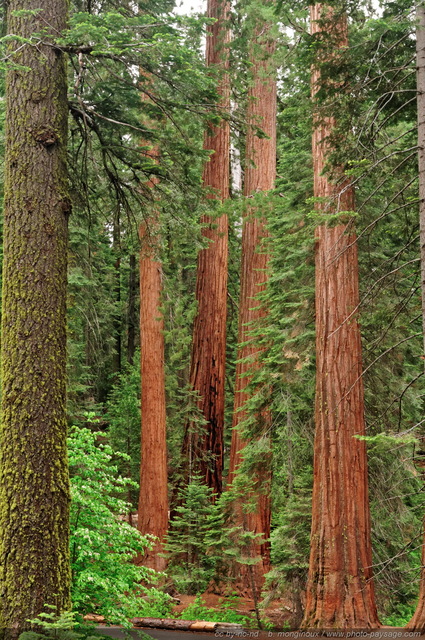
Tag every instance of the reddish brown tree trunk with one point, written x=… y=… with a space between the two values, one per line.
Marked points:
x=116 y=245
x=205 y=449
x=132 y=314
x=340 y=591
x=153 y=497
x=417 y=623
x=260 y=175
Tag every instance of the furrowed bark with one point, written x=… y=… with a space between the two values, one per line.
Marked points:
x=131 y=314
x=153 y=500
x=340 y=591
x=205 y=449
x=153 y=496
x=34 y=483
x=260 y=175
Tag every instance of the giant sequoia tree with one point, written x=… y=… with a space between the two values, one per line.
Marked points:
x=209 y=333
x=34 y=489
x=260 y=174
x=153 y=497
x=340 y=591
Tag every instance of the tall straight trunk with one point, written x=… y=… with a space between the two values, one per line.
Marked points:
x=340 y=591
x=209 y=334
x=34 y=483
x=260 y=175
x=131 y=314
x=418 y=620
x=117 y=324
x=153 y=497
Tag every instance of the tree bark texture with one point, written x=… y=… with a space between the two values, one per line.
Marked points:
x=131 y=313
x=207 y=374
x=153 y=497
x=34 y=483
x=418 y=620
x=340 y=591
x=117 y=325
x=260 y=173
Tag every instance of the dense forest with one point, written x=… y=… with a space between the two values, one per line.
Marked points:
x=213 y=314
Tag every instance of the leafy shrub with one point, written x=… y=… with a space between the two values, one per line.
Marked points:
x=401 y=615
x=197 y=610
x=157 y=604
x=103 y=546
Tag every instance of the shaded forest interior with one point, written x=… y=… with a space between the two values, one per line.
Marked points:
x=213 y=314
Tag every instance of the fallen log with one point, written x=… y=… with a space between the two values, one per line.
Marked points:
x=183 y=625
x=203 y=625
x=163 y=623
x=94 y=617
x=229 y=625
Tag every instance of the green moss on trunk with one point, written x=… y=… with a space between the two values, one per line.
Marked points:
x=34 y=484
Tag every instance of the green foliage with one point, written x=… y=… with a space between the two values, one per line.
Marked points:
x=156 y=604
x=123 y=415
x=112 y=132
x=400 y=617
x=60 y=627
x=197 y=540
x=103 y=545
x=397 y=511
x=92 y=305
x=50 y=621
x=225 y=612
x=290 y=538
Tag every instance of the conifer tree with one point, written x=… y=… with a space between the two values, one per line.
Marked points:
x=260 y=170
x=340 y=590
x=153 y=496
x=34 y=483
x=207 y=375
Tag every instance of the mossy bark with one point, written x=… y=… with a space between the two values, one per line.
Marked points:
x=34 y=484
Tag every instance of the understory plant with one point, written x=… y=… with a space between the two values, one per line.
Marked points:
x=225 y=612
x=197 y=544
x=105 y=579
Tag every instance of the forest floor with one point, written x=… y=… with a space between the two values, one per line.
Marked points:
x=277 y=613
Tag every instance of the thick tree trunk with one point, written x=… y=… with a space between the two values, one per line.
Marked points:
x=340 y=591
x=205 y=449
x=260 y=175
x=153 y=497
x=34 y=483
x=418 y=620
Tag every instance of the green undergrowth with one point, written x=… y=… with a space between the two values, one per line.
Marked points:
x=225 y=612
x=67 y=626
x=400 y=616
x=156 y=604
x=105 y=579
